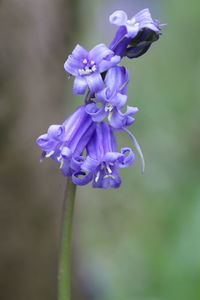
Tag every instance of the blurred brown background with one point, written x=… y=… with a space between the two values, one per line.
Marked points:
x=140 y=242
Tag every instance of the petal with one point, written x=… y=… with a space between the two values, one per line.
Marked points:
x=66 y=153
x=81 y=178
x=80 y=53
x=111 y=157
x=117 y=78
x=65 y=168
x=45 y=143
x=83 y=137
x=76 y=163
x=95 y=82
x=132 y=30
x=90 y=164
x=120 y=34
x=107 y=64
x=142 y=14
x=56 y=132
x=98 y=114
x=119 y=100
x=100 y=52
x=80 y=85
x=149 y=25
x=128 y=158
x=119 y=17
x=118 y=119
x=72 y=65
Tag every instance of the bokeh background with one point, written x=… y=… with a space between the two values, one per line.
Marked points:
x=142 y=241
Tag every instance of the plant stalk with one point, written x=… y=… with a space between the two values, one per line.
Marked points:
x=64 y=280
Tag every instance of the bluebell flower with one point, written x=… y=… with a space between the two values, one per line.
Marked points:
x=135 y=35
x=103 y=160
x=87 y=67
x=65 y=143
x=112 y=99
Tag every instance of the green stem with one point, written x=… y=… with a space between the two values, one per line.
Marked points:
x=64 y=285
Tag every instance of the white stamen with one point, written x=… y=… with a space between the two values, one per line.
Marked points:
x=92 y=62
x=108 y=107
x=94 y=68
x=61 y=163
x=59 y=158
x=109 y=169
x=49 y=154
x=85 y=61
x=109 y=176
x=97 y=176
x=110 y=116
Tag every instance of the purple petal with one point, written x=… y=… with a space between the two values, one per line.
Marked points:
x=56 y=132
x=100 y=52
x=83 y=137
x=117 y=78
x=80 y=53
x=111 y=157
x=66 y=170
x=132 y=30
x=107 y=64
x=90 y=164
x=45 y=143
x=72 y=65
x=95 y=82
x=118 y=18
x=66 y=153
x=149 y=25
x=81 y=178
x=120 y=34
x=127 y=160
x=119 y=100
x=98 y=114
x=80 y=85
x=118 y=119
x=76 y=163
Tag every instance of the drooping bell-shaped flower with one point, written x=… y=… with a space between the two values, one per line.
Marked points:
x=87 y=67
x=65 y=143
x=135 y=35
x=113 y=98
x=103 y=160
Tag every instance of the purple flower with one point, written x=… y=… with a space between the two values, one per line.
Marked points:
x=65 y=143
x=87 y=67
x=135 y=35
x=103 y=161
x=112 y=99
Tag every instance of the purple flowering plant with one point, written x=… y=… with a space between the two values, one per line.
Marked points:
x=85 y=144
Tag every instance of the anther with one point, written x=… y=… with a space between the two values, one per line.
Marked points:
x=85 y=61
x=97 y=176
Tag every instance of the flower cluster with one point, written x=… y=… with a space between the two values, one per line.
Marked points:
x=85 y=143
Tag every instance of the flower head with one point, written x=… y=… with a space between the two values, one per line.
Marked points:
x=103 y=160
x=87 y=67
x=65 y=143
x=113 y=98
x=135 y=35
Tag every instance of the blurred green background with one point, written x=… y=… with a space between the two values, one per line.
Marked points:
x=142 y=241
